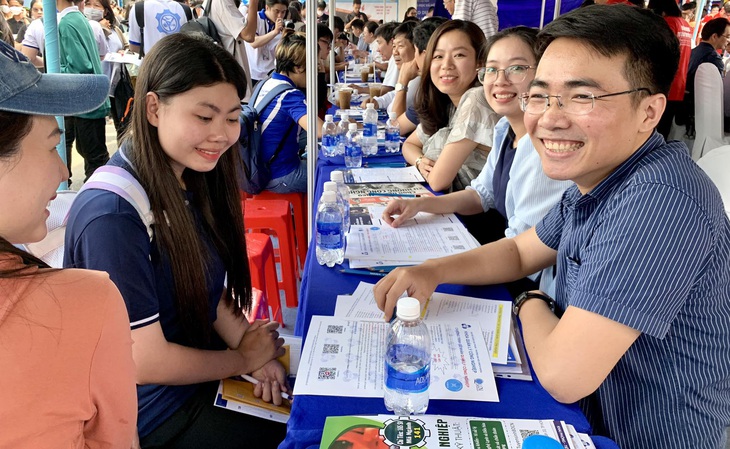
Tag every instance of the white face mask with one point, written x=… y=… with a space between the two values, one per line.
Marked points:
x=94 y=14
x=5 y=9
x=16 y=10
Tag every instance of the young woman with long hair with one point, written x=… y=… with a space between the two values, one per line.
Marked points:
x=66 y=351
x=188 y=286
x=451 y=143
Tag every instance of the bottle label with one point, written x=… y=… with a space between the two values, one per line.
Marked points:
x=329 y=140
x=329 y=235
x=370 y=129
x=353 y=150
x=402 y=372
x=392 y=136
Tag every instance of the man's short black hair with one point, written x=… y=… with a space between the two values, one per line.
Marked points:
x=357 y=23
x=323 y=32
x=372 y=26
x=357 y=2
x=422 y=33
x=406 y=29
x=649 y=45
x=339 y=23
x=714 y=26
x=321 y=4
x=386 y=31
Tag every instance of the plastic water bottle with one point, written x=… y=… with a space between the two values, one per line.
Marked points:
x=392 y=133
x=330 y=237
x=407 y=361
x=353 y=147
x=342 y=134
x=370 y=131
x=339 y=178
x=331 y=186
x=329 y=136
x=349 y=58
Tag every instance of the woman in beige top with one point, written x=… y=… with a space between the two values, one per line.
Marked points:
x=451 y=143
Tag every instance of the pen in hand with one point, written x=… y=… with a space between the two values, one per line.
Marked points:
x=255 y=381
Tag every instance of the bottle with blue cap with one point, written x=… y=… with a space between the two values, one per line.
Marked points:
x=407 y=361
x=329 y=137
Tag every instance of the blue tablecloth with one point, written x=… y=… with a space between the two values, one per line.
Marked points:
x=319 y=289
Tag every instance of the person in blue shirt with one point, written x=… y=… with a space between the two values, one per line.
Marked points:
x=286 y=114
x=639 y=330
x=187 y=285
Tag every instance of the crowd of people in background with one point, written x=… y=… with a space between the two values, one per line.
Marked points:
x=491 y=118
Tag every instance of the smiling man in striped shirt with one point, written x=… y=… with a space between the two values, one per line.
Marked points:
x=639 y=331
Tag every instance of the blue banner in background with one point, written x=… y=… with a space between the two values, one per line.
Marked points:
x=511 y=12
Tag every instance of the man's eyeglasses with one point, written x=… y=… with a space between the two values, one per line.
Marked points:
x=513 y=73
x=576 y=104
x=325 y=42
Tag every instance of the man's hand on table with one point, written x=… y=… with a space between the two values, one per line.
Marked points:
x=418 y=282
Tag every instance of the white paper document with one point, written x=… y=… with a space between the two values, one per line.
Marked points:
x=409 y=243
x=383 y=174
x=495 y=317
x=346 y=357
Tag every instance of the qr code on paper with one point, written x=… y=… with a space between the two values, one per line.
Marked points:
x=331 y=349
x=453 y=237
x=459 y=247
x=524 y=433
x=327 y=374
x=332 y=329
x=448 y=229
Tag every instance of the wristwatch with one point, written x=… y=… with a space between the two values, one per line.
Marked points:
x=401 y=87
x=526 y=296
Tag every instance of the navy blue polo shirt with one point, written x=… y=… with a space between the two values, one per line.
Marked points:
x=649 y=247
x=105 y=233
x=281 y=115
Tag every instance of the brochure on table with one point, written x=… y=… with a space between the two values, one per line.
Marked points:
x=494 y=316
x=384 y=174
x=437 y=236
x=433 y=431
x=345 y=356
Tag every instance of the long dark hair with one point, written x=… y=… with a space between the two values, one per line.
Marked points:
x=433 y=106
x=177 y=64
x=15 y=127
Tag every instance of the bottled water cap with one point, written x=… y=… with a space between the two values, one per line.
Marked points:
x=337 y=176
x=392 y=115
x=345 y=117
x=371 y=106
x=329 y=197
x=330 y=186
x=352 y=127
x=408 y=309
x=328 y=118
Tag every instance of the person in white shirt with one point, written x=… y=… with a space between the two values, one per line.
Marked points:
x=234 y=29
x=161 y=18
x=403 y=56
x=384 y=37
x=481 y=12
x=261 y=52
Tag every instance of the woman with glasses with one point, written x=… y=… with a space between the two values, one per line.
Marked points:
x=512 y=182
x=451 y=143
x=287 y=113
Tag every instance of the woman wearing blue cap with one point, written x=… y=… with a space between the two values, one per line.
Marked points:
x=65 y=352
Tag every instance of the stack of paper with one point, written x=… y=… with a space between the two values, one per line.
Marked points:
x=433 y=431
x=345 y=357
x=502 y=338
x=425 y=236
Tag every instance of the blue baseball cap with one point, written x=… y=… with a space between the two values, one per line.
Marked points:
x=23 y=89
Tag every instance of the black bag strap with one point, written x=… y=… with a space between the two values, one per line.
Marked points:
x=188 y=11
x=139 y=15
x=273 y=93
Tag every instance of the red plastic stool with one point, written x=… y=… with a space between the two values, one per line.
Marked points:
x=276 y=216
x=263 y=276
x=298 y=202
